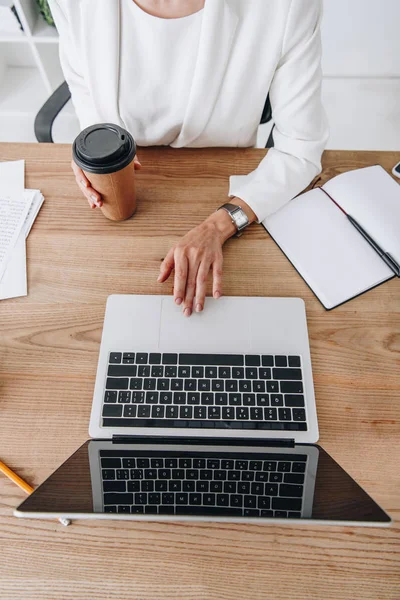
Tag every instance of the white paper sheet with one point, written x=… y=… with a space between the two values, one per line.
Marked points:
x=13 y=283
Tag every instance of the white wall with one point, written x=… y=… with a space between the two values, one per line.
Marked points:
x=361 y=38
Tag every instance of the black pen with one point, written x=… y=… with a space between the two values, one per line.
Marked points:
x=385 y=256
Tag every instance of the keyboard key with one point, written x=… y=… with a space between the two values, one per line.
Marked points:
x=299 y=414
x=294 y=361
x=270 y=414
x=115 y=357
x=144 y=371
x=291 y=491
x=255 y=465
x=111 y=463
x=234 y=475
x=284 y=467
x=110 y=509
x=272 y=386
x=157 y=411
x=251 y=373
x=177 y=384
x=143 y=463
x=269 y=465
x=230 y=487
x=143 y=411
x=280 y=361
x=211 y=359
x=262 y=399
x=250 y=501
x=192 y=474
x=217 y=385
x=110 y=397
x=149 y=384
x=285 y=414
x=214 y=412
x=193 y=398
x=294 y=515
x=298 y=467
x=224 y=372
x=188 y=486
x=256 y=414
x=136 y=383
x=112 y=410
x=206 y=474
x=186 y=412
x=222 y=500
x=249 y=399
x=161 y=485
x=271 y=489
x=179 y=398
x=163 y=385
x=190 y=385
x=154 y=358
x=108 y=474
x=154 y=498
x=141 y=358
x=185 y=463
x=124 y=397
x=150 y=473
x=128 y=357
x=170 y=359
x=221 y=399
x=242 y=413
x=147 y=486
x=237 y=373
x=261 y=476
x=264 y=373
x=228 y=412
x=266 y=513
x=166 y=510
x=275 y=477
x=280 y=514
x=287 y=374
x=220 y=475
x=276 y=400
x=117 y=383
x=286 y=504
x=113 y=498
x=243 y=487
x=197 y=372
x=231 y=385
x=195 y=499
x=171 y=371
x=247 y=475
x=138 y=397
x=212 y=511
x=204 y=385
x=292 y=400
x=293 y=478
x=157 y=371
x=166 y=398
x=184 y=372
x=252 y=360
x=207 y=398
x=164 y=473
x=267 y=361
x=152 y=397
x=171 y=412
x=258 y=386
x=130 y=411
x=122 y=370
x=235 y=399
x=209 y=499
x=245 y=385
x=200 y=412
x=291 y=387
x=202 y=486
x=257 y=488
x=216 y=486
x=114 y=486
x=210 y=372
x=140 y=498
x=236 y=500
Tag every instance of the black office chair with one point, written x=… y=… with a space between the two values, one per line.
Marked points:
x=46 y=115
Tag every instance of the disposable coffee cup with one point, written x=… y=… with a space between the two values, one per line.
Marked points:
x=105 y=153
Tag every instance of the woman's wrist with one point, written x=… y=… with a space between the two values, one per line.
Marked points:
x=222 y=221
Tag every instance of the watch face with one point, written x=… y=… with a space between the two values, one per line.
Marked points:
x=241 y=219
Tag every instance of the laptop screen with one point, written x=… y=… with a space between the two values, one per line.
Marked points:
x=178 y=480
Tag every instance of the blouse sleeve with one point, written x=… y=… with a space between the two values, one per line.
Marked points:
x=301 y=129
x=71 y=66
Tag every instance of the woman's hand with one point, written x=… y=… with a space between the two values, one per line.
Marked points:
x=198 y=253
x=91 y=195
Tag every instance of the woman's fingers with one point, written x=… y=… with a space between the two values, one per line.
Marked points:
x=166 y=266
x=136 y=163
x=181 y=273
x=201 y=285
x=93 y=197
x=217 y=277
x=190 y=287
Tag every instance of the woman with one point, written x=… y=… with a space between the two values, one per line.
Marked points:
x=197 y=73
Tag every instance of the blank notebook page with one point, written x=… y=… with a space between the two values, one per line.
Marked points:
x=325 y=248
x=372 y=197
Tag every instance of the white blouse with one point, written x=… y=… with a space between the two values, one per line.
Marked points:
x=202 y=81
x=158 y=58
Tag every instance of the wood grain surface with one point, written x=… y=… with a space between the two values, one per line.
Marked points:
x=49 y=344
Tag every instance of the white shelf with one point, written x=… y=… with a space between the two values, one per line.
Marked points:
x=43 y=32
x=22 y=91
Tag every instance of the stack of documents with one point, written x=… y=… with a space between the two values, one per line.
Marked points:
x=18 y=210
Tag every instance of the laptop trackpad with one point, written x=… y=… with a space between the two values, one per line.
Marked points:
x=219 y=328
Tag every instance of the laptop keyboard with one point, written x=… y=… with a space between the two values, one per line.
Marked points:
x=269 y=485
x=232 y=391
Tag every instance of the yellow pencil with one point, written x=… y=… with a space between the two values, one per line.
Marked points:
x=15 y=478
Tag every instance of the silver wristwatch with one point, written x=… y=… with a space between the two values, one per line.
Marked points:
x=238 y=216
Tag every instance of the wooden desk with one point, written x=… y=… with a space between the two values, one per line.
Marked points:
x=48 y=356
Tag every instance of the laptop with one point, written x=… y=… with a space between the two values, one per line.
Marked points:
x=211 y=418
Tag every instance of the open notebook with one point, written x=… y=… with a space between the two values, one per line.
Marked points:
x=316 y=234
